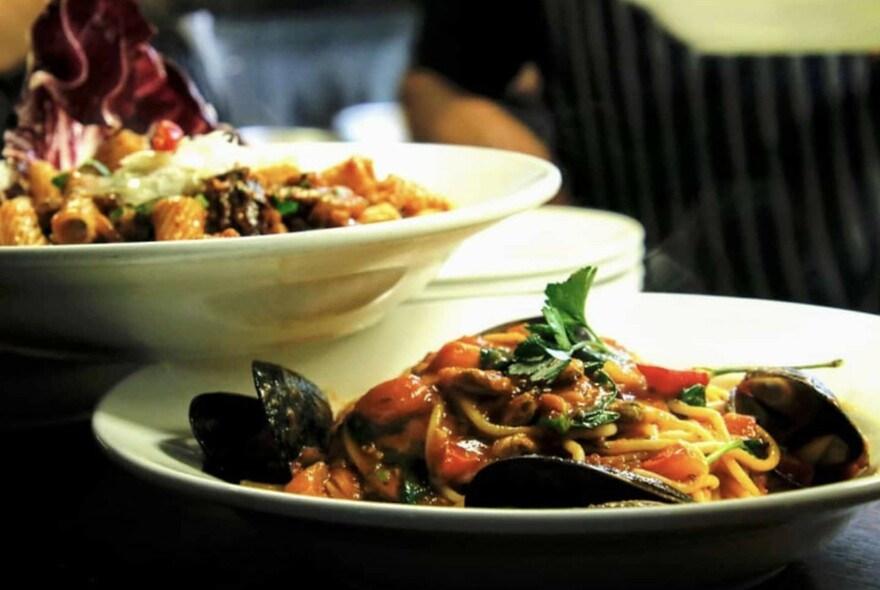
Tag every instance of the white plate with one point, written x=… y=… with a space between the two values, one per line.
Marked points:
x=142 y=423
x=624 y=275
x=548 y=239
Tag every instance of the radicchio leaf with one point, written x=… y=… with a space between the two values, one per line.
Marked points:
x=91 y=72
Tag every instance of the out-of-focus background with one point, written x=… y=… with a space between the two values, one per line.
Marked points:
x=273 y=63
x=295 y=64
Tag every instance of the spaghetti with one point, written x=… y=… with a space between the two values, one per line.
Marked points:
x=430 y=430
x=551 y=387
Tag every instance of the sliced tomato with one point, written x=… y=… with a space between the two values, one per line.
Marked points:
x=741 y=425
x=669 y=382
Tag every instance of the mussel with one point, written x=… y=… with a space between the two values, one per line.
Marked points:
x=255 y=438
x=819 y=442
x=543 y=481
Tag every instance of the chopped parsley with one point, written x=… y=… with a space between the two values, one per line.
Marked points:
x=412 y=491
x=494 y=359
x=284 y=206
x=60 y=180
x=695 y=395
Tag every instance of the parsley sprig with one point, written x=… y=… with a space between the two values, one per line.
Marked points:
x=563 y=334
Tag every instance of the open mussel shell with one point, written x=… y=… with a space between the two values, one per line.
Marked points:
x=541 y=481
x=236 y=438
x=256 y=438
x=805 y=418
x=298 y=410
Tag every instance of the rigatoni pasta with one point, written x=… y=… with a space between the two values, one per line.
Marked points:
x=19 y=225
x=179 y=218
x=196 y=188
x=79 y=221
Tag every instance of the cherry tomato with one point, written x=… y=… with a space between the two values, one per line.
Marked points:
x=166 y=136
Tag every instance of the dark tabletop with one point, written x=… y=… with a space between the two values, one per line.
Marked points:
x=77 y=519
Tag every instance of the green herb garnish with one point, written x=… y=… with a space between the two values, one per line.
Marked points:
x=146 y=208
x=695 y=395
x=60 y=180
x=494 y=359
x=753 y=445
x=412 y=490
x=564 y=334
x=96 y=166
x=284 y=207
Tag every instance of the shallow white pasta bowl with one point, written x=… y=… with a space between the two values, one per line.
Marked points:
x=143 y=424
x=225 y=296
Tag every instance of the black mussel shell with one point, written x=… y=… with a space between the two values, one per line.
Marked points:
x=298 y=410
x=236 y=438
x=256 y=438
x=540 y=481
x=802 y=415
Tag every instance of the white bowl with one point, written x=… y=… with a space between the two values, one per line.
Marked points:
x=230 y=296
x=524 y=252
x=143 y=424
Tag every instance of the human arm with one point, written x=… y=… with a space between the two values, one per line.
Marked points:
x=439 y=111
x=461 y=83
x=16 y=18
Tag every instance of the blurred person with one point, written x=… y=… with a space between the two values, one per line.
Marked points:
x=752 y=162
x=16 y=18
x=261 y=62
